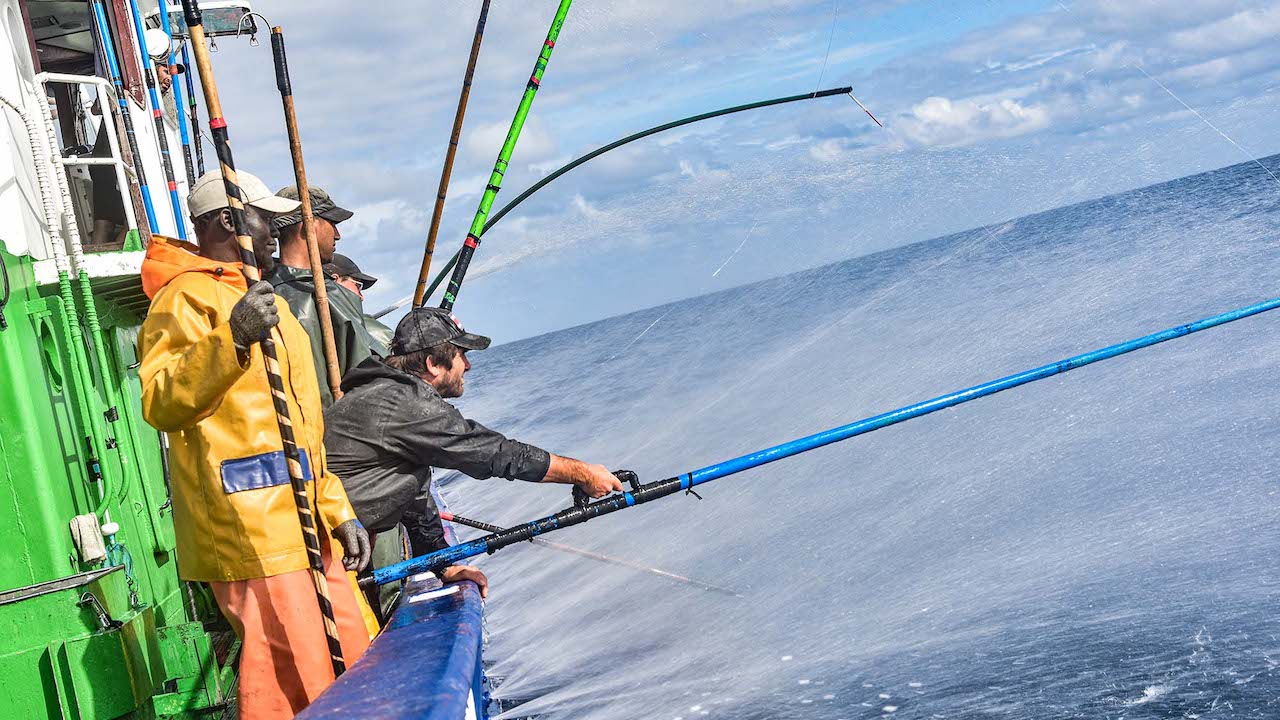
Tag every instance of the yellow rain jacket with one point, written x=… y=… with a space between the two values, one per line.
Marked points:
x=233 y=509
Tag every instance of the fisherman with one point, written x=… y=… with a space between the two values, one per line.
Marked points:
x=344 y=271
x=204 y=382
x=393 y=425
x=293 y=282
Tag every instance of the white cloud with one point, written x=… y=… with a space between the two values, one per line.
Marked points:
x=939 y=121
x=1242 y=30
x=536 y=141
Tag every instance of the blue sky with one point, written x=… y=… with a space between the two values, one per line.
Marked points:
x=992 y=109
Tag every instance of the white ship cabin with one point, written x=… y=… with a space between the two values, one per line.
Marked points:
x=72 y=165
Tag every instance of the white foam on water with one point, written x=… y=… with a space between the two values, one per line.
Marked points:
x=1150 y=693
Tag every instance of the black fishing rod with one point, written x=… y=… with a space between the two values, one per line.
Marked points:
x=584 y=510
x=630 y=139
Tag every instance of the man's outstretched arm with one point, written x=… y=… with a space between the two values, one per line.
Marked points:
x=594 y=480
x=441 y=437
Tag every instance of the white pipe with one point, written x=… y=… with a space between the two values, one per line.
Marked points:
x=40 y=154
x=64 y=193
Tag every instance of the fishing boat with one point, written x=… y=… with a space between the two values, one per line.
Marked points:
x=95 y=620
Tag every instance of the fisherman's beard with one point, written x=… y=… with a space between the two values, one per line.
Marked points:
x=451 y=388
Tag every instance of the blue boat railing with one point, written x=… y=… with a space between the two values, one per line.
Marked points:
x=426 y=663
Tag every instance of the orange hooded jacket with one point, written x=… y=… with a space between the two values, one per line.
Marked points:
x=233 y=510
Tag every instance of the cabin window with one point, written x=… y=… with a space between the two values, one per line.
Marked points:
x=65 y=41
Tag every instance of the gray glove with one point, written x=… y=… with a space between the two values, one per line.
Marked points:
x=355 y=543
x=254 y=316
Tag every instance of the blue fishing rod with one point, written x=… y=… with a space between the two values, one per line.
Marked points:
x=584 y=510
x=176 y=88
x=122 y=103
x=157 y=115
x=194 y=107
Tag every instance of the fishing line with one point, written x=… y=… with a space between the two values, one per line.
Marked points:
x=642 y=334
x=599 y=557
x=1211 y=125
x=835 y=12
x=735 y=252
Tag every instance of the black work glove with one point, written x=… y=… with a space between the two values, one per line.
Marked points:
x=355 y=544
x=254 y=315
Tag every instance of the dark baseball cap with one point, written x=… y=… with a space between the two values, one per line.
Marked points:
x=322 y=206
x=426 y=327
x=343 y=266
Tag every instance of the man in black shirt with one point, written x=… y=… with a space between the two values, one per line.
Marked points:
x=393 y=425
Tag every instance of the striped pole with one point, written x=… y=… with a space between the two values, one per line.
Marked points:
x=157 y=115
x=178 y=99
x=619 y=143
x=504 y=157
x=334 y=373
x=122 y=104
x=424 y=272
x=640 y=494
x=306 y=518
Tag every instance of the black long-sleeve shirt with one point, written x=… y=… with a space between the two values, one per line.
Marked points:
x=387 y=432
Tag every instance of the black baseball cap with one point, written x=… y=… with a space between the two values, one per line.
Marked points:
x=322 y=206
x=343 y=266
x=426 y=327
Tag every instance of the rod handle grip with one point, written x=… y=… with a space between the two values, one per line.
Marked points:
x=191 y=12
x=282 y=63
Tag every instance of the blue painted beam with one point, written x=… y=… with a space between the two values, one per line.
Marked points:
x=424 y=665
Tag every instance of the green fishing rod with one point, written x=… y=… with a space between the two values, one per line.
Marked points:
x=639 y=493
x=504 y=157
x=632 y=138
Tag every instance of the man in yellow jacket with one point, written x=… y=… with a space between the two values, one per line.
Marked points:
x=205 y=383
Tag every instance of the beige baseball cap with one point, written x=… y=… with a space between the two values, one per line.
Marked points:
x=210 y=194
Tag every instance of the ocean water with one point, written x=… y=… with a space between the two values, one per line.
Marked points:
x=1103 y=544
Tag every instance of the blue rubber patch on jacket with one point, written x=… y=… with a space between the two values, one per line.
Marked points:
x=260 y=471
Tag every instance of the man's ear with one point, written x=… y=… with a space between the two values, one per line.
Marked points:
x=429 y=368
x=224 y=219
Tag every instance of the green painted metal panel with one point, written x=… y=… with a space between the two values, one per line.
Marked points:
x=42 y=477
x=56 y=660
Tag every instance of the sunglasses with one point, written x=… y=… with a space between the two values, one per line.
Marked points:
x=359 y=284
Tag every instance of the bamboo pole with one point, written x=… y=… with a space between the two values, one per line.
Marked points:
x=419 y=296
x=333 y=371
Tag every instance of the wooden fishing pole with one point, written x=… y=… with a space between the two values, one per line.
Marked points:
x=419 y=294
x=504 y=157
x=334 y=373
x=222 y=145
